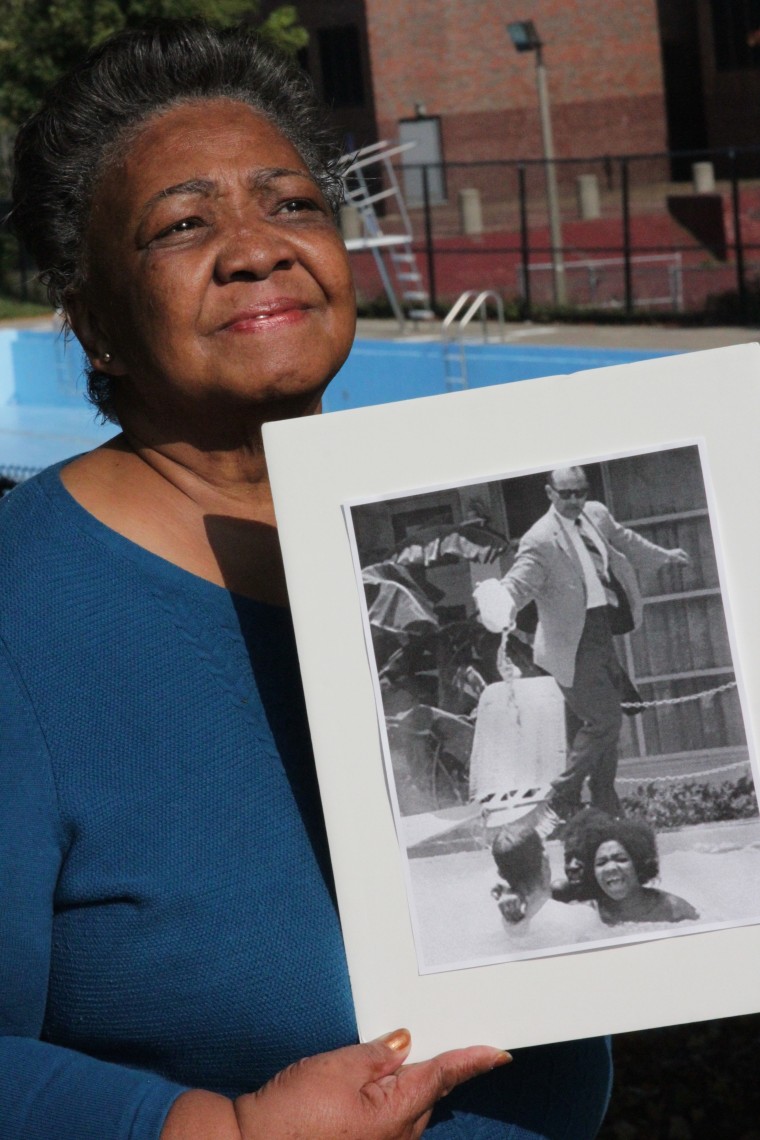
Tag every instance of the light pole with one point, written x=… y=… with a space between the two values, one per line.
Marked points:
x=524 y=36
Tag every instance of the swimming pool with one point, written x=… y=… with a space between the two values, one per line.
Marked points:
x=715 y=866
x=378 y=371
x=44 y=417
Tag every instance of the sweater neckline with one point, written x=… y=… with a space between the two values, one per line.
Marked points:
x=172 y=574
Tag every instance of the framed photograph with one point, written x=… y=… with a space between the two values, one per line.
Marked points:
x=613 y=510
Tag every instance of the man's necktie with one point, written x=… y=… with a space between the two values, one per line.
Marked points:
x=598 y=561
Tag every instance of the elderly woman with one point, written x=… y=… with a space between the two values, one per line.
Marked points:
x=620 y=858
x=170 y=945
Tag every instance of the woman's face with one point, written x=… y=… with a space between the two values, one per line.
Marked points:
x=214 y=265
x=614 y=870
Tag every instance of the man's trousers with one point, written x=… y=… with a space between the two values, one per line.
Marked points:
x=594 y=699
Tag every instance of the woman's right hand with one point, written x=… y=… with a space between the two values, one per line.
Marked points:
x=361 y=1092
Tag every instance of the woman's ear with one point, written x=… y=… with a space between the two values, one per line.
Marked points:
x=86 y=327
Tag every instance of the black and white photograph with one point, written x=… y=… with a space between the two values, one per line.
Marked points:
x=561 y=708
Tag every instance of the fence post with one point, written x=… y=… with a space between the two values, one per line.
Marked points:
x=626 y=203
x=524 y=243
x=741 y=285
x=607 y=160
x=429 y=252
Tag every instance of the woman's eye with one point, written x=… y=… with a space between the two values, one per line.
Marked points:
x=183 y=226
x=297 y=205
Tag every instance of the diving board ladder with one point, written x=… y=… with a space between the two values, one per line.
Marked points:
x=400 y=274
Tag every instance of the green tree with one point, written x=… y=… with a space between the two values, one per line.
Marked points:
x=40 y=39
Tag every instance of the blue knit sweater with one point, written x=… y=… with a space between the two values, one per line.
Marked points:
x=162 y=907
x=166 y=918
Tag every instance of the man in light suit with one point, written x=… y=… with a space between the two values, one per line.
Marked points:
x=579 y=566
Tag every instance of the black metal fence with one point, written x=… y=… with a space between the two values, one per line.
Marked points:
x=628 y=237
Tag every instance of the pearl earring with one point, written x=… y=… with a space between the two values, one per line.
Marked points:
x=107 y=358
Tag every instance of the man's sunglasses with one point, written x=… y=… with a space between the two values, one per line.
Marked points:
x=571 y=492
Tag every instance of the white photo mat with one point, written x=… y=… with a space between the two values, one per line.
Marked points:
x=319 y=464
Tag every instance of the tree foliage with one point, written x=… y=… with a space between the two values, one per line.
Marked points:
x=40 y=39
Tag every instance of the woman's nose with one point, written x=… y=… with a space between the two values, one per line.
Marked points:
x=251 y=252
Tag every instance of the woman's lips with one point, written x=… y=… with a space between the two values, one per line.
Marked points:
x=265 y=317
x=613 y=882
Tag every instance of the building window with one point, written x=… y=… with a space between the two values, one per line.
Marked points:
x=413 y=520
x=736 y=26
x=340 y=60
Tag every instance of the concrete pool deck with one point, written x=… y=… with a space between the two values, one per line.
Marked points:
x=648 y=337
x=654 y=337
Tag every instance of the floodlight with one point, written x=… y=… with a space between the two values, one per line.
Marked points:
x=524 y=36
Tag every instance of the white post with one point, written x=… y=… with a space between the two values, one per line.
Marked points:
x=703 y=177
x=589 y=204
x=470 y=211
x=552 y=196
x=350 y=222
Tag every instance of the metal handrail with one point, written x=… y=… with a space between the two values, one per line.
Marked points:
x=478 y=305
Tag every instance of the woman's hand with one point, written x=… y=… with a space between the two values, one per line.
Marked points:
x=362 y=1092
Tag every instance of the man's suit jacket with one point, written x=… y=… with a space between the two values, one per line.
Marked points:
x=547 y=570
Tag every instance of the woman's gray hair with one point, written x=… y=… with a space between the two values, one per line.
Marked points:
x=87 y=117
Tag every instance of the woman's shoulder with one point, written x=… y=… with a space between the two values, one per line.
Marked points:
x=665 y=907
x=48 y=562
x=32 y=525
x=41 y=496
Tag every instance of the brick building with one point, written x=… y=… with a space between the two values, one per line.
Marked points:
x=625 y=76
x=602 y=57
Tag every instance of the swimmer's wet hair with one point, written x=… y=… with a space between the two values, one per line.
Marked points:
x=520 y=864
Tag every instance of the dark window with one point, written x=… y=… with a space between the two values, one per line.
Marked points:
x=340 y=58
x=409 y=521
x=735 y=24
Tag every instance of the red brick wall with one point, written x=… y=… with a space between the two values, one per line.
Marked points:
x=603 y=63
x=623 y=125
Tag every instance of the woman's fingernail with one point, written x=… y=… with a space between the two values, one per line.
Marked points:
x=399 y=1040
x=502 y=1058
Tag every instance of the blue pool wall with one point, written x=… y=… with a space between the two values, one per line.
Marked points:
x=45 y=418
x=40 y=368
x=379 y=372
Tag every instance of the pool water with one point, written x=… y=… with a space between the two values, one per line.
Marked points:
x=716 y=867
x=378 y=372
x=44 y=417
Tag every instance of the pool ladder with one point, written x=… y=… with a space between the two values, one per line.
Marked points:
x=452 y=332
